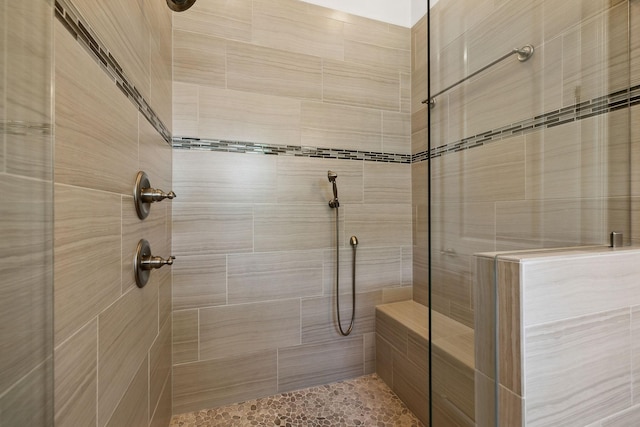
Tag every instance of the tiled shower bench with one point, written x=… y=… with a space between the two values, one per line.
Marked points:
x=402 y=361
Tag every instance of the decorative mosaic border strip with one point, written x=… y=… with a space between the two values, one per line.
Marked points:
x=24 y=128
x=287 y=150
x=604 y=104
x=68 y=15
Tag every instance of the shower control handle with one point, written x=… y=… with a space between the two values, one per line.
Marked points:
x=144 y=195
x=144 y=262
x=150 y=195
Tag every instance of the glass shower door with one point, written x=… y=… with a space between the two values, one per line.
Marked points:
x=26 y=214
x=525 y=154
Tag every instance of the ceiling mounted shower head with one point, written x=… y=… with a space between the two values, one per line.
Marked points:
x=180 y=5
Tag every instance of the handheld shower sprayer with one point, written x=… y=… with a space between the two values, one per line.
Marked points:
x=332 y=179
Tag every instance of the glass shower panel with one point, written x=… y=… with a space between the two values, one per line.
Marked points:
x=26 y=214
x=524 y=155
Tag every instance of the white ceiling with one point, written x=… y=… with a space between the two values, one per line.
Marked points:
x=399 y=12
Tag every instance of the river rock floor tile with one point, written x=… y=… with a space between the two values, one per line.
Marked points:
x=365 y=401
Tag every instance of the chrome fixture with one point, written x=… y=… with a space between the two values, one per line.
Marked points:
x=144 y=262
x=334 y=203
x=144 y=195
x=523 y=53
x=180 y=5
x=616 y=239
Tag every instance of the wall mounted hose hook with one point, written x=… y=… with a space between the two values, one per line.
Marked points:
x=144 y=195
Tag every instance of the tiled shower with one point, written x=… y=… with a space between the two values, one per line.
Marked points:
x=241 y=107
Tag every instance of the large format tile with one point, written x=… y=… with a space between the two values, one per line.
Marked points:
x=274 y=276
x=295 y=27
x=159 y=365
x=215 y=383
x=122 y=27
x=159 y=19
x=199 y=59
x=126 y=331
x=304 y=180
x=364 y=221
x=133 y=408
x=185 y=340
x=30 y=400
x=558 y=354
x=212 y=177
x=210 y=229
x=319 y=320
x=26 y=294
x=396 y=132
x=199 y=281
x=235 y=330
x=218 y=18
x=251 y=117
x=320 y=363
x=353 y=84
x=96 y=126
x=273 y=72
x=185 y=108
x=339 y=126
x=76 y=378
x=87 y=244
x=387 y=183
x=292 y=227
x=551 y=286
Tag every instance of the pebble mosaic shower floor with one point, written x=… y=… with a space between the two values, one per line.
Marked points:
x=364 y=401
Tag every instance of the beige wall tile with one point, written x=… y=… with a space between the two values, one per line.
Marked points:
x=28 y=58
x=87 y=274
x=162 y=415
x=628 y=417
x=377 y=33
x=126 y=331
x=208 y=177
x=336 y=126
x=484 y=310
x=199 y=281
x=387 y=183
x=319 y=363
x=454 y=382
x=544 y=301
x=217 y=18
x=510 y=326
x=76 y=378
x=405 y=93
x=208 y=229
x=377 y=56
x=185 y=109
x=634 y=48
x=603 y=392
x=96 y=127
x=251 y=117
x=392 y=331
x=185 y=336
x=635 y=350
x=370 y=353
x=396 y=294
x=164 y=296
x=133 y=409
x=304 y=180
x=364 y=222
x=376 y=269
x=155 y=157
x=273 y=72
x=361 y=82
x=248 y=328
x=214 y=383
x=319 y=321
x=396 y=132
x=28 y=155
x=384 y=360
x=27 y=275
x=159 y=20
x=274 y=276
x=159 y=366
x=293 y=227
x=293 y=27
x=199 y=59
x=122 y=27
x=30 y=400
x=410 y=386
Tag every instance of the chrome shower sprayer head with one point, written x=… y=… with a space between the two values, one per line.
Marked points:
x=332 y=179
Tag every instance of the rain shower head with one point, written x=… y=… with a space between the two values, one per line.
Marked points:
x=180 y=5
